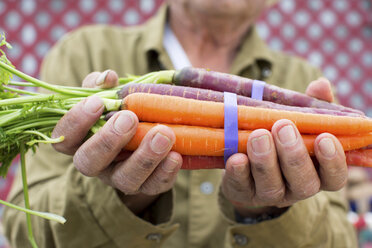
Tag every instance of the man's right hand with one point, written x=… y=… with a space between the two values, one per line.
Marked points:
x=144 y=174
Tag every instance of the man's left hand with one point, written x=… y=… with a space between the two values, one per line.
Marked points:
x=277 y=170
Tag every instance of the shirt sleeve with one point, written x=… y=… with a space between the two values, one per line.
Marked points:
x=94 y=212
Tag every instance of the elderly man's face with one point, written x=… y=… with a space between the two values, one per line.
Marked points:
x=248 y=8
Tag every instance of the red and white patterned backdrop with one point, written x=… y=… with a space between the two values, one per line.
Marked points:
x=333 y=35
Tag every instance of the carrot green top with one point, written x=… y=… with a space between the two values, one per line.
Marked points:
x=186 y=216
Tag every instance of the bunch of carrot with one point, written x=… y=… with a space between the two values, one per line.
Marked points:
x=190 y=98
x=198 y=124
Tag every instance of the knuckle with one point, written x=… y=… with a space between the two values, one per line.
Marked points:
x=237 y=196
x=334 y=171
x=124 y=183
x=233 y=183
x=128 y=190
x=106 y=142
x=308 y=190
x=72 y=126
x=336 y=184
x=164 y=178
x=149 y=189
x=239 y=188
x=296 y=158
x=59 y=147
x=270 y=195
x=260 y=167
x=161 y=180
x=334 y=176
x=67 y=147
x=146 y=161
x=82 y=163
x=72 y=118
x=157 y=183
x=342 y=183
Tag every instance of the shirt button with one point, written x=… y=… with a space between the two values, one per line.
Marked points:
x=266 y=72
x=206 y=188
x=154 y=237
x=240 y=239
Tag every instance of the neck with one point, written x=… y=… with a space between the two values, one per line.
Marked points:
x=209 y=41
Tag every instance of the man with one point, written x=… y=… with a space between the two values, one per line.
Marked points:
x=268 y=197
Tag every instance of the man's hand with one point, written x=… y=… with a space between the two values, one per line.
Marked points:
x=140 y=178
x=278 y=170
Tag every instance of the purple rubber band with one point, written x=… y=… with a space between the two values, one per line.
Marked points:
x=230 y=124
x=258 y=89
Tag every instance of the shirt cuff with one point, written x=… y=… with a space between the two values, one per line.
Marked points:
x=254 y=220
x=123 y=226
x=291 y=229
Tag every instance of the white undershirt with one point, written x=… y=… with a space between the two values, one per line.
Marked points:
x=174 y=49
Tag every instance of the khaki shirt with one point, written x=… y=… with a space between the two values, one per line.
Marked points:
x=193 y=213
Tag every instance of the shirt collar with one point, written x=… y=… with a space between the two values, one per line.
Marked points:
x=253 y=50
x=154 y=30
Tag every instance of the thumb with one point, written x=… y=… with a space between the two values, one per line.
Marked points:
x=320 y=89
x=104 y=80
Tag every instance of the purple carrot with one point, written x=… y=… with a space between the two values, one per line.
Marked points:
x=201 y=78
x=110 y=114
x=216 y=96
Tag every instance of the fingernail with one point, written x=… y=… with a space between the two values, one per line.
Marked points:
x=287 y=135
x=327 y=147
x=261 y=145
x=102 y=77
x=123 y=123
x=93 y=104
x=170 y=164
x=160 y=143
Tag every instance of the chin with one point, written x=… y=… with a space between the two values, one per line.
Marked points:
x=228 y=7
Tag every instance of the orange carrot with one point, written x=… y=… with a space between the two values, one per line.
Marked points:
x=178 y=110
x=348 y=142
x=360 y=157
x=204 y=141
x=192 y=140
